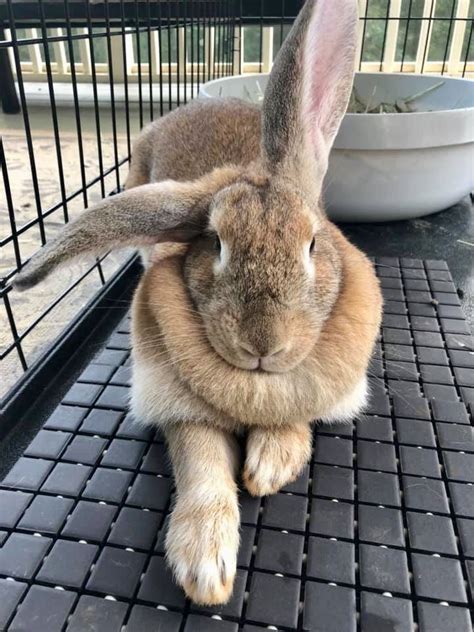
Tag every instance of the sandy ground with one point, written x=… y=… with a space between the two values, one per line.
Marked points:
x=28 y=306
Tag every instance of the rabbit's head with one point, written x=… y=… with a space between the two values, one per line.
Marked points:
x=252 y=276
x=262 y=267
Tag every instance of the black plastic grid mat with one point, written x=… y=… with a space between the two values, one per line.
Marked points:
x=377 y=534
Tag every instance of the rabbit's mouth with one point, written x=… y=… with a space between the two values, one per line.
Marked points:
x=271 y=348
x=259 y=365
x=280 y=362
x=267 y=364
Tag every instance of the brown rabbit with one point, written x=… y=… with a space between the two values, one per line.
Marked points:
x=265 y=317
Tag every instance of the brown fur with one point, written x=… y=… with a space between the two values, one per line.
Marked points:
x=173 y=147
x=336 y=360
x=276 y=459
x=204 y=526
x=248 y=292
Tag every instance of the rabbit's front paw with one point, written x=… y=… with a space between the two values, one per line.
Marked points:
x=275 y=458
x=201 y=548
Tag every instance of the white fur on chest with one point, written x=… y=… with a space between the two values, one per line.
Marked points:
x=350 y=405
x=159 y=397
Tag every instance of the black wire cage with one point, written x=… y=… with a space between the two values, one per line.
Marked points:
x=105 y=70
x=78 y=79
x=377 y=533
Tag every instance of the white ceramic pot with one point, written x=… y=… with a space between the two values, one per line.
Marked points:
x=387 y=167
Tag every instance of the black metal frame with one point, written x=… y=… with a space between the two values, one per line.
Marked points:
x=71 y=349
x=144 y=17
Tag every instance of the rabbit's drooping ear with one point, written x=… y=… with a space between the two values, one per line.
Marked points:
x=309 y=89
x=145 y=215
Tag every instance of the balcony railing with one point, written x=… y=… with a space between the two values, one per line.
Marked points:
x=412 y=37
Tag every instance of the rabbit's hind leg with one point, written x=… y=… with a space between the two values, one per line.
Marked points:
x=203 y=535
x=275 y=457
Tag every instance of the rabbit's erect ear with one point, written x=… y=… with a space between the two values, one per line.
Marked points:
x=145 y=215
x=309 y=89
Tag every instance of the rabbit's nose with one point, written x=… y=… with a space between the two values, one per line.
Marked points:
x=261 y=353
x=248 y=349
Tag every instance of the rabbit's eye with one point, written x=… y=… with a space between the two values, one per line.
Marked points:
x=217 y=244
x=312 y=246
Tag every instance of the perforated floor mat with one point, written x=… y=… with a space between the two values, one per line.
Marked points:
x=376 y=535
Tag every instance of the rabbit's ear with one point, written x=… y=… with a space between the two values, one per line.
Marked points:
x=309 y=89
x=145 y=215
